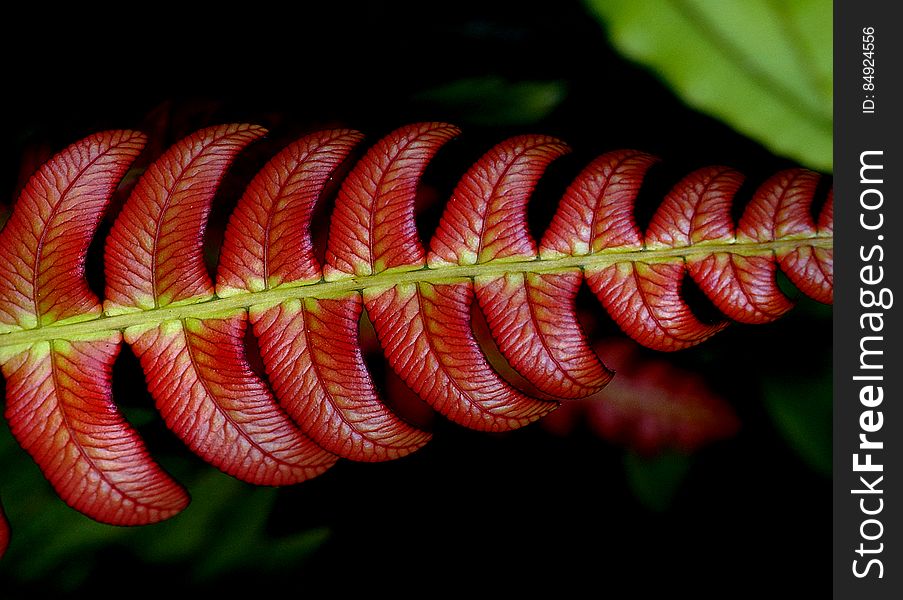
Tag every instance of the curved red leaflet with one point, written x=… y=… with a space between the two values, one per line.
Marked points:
x=596 y=216
x=153 y=253
x=59 y=403
x=826 y=217
x=812 y=269
x=423 y=328
x=742 y=287
x=59 y=409
x=426 y=334
x=317 y=370
x=373 y=225
x=596 y=212
x=309 y=346
x=698 y=211
x=43 y=246
x=645 y=301
x=207 y=394
x=268 y=241
x=197 y=370
x=531 y=316
x=780 y=210
x=823 y=290
x=486 y=218
x=533 y=319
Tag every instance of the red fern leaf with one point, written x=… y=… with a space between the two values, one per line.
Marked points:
x=57 y=348
x=697 y=212
x=424 y=328
x=310 y=345
x=531 y=315
x=780 y=210
x=486 y=218
x=596 y=217
x=152 y=254
x=58 y=391
x=268 y=241
x=650 y=406
x=643 y=297
x=196 y=369
x=823 y=278
x=596 y=211
x=373 y=227
x=45 y=241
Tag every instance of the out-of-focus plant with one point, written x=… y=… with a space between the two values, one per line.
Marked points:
x=763 y=67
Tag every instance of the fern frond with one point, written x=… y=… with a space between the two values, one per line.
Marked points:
x=57 y=345
x=309 y=345
x=196 y=368
x=58 y=390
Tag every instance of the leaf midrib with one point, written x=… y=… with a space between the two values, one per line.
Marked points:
x=56 y=209
x=216 y=307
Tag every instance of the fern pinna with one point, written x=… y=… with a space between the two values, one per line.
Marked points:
x=58 y=343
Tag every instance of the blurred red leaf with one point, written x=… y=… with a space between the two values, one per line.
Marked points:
x=650 y=405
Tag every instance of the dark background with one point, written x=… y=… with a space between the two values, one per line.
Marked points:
x=510 y=511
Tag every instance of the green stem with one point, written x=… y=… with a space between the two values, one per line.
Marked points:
x=217 y=307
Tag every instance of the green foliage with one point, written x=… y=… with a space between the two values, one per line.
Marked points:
x=222 y=532
x=802 y=411
x=655 y=480
x=764 y=67
x=493 y=101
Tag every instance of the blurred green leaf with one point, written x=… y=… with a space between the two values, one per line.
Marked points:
x=802 y=411
x=224 y=528
x=764 y=67
x=187 y=535
x=47 y=534
x=655 y=480
x=493 y=101
x=282 y=552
